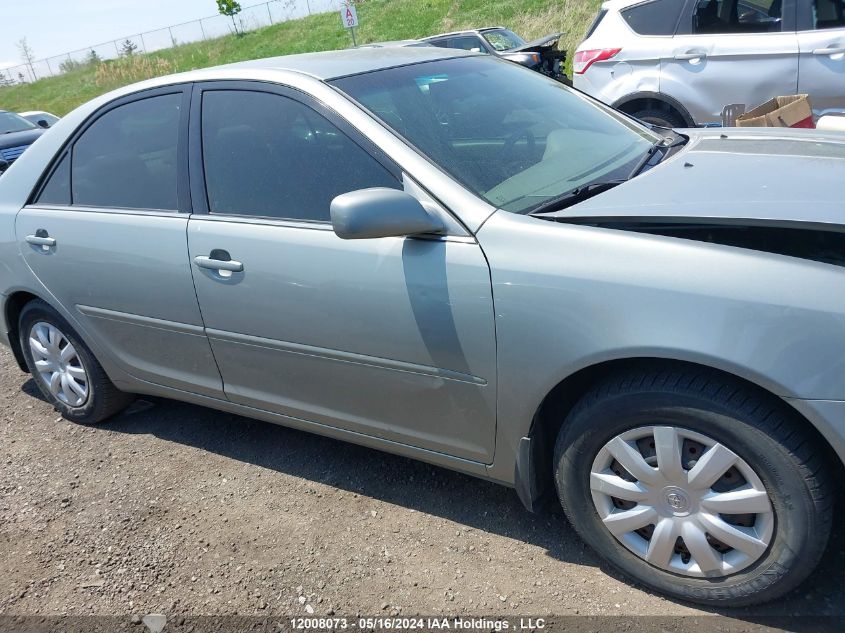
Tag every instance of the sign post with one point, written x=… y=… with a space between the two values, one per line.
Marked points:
x=349 y=18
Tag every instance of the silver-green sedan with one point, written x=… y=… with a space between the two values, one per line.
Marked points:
x=448 y=256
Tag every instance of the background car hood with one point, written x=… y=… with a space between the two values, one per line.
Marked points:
x=735 y=177
x=16 y=139
x=549 y=41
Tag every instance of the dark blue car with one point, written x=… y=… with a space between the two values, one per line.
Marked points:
x=16 y=134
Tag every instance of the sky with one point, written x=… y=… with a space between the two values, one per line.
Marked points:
x=52 y=27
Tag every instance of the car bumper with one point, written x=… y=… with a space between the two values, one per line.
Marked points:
x=828 y=416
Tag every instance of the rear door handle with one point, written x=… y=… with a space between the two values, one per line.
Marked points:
x=211 y=263
x=840 y=50
x=690 y=55
x=41 y=239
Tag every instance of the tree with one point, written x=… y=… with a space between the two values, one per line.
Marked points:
x=27 y=56
x=92 y=58
x=128 y=48
x=230 y=8
x=69 y=64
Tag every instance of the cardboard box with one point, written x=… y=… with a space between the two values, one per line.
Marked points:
x=792 y=111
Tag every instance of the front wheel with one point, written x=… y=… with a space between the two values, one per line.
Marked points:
x=65 y=370
x=696 y=486
x=660 y=118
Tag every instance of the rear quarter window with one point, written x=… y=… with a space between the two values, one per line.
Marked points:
x=655 y=17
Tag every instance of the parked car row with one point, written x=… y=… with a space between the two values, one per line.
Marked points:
x=678 y=63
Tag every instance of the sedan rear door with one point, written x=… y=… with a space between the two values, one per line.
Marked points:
x=105 y=236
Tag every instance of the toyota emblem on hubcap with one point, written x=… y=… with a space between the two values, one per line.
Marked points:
x=677 y=500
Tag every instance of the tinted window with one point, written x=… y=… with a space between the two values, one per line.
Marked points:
x=737 y=16
x=467 y=43
x=442 y=43
x=57 y=188
x=828 y=14
x=127 y=158
x=270 y=156
x=658 y=17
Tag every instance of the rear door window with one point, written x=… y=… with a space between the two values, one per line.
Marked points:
x=127 y=158
x=57 y=188
x=737 y=16
x=656 y=17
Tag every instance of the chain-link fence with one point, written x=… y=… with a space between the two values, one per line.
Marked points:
x=250 y=18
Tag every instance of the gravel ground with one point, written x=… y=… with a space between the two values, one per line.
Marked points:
x=178 y=509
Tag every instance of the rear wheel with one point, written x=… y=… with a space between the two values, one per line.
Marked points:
x=696 y=486
x=63 y=367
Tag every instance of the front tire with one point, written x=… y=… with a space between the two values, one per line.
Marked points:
x=660 y=118
x=695 y=485
x=65 y=370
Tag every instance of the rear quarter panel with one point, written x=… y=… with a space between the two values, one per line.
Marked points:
x=568 y=297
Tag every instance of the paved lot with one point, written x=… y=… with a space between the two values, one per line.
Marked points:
x=178 y=509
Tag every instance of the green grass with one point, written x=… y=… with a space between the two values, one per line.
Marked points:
x=380 y=20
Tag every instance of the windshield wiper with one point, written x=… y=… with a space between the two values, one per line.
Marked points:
x=576 y=195
x=589 y=190
x=664 y=143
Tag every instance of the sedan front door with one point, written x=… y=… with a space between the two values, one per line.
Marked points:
x=391 y=338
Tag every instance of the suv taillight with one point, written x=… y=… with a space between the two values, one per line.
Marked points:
x=584 y=59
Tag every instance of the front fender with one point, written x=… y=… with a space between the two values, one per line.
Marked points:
x=569 y=297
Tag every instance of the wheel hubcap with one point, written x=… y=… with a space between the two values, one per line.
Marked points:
x=58 y=364
x=682 y=501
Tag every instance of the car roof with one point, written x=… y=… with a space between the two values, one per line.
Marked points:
x=618 y=5
x=329 y=65
x=465 y=32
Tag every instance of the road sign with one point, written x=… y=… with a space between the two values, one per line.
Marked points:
x=348 y=16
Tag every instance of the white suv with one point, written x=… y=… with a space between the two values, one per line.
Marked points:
x=678 y=63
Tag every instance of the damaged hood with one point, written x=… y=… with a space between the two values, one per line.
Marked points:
x=549 y=41
x=734 y=176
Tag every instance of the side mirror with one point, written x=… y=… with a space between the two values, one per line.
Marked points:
x=42 y=123
x=381 y=212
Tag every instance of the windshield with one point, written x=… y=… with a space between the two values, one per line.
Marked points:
x=503 y=39
x=11 y=122
x=512 y=136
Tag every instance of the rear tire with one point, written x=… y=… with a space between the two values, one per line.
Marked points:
x=779 y=473
x=660 y=118
x=65 y=370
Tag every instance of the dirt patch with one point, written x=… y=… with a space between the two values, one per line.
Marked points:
x=178 y=509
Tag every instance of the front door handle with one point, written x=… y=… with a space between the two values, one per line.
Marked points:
x=41 y=238
x=212 y=263
x=839 y=50
x=691 y=55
